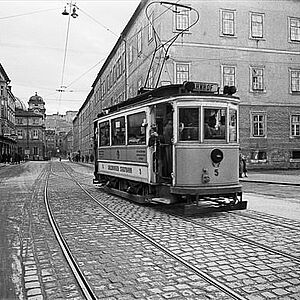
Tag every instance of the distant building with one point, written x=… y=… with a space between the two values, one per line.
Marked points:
x=7 y=118
x=60 y=123
x=50 y=143
x=63 y=128
x=30 y=128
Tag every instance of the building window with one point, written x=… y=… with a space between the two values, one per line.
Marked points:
x=258 y=156
x=151 y=28
x=150 y=79
x=257 y=79
x=20 y=134
x=228 y=22
x=130 y=54
x=19 y=121
x=228 y=75
x=294 y=29
x=35 y=151
x=139 y=42
x=256 y=25
x=295 y=125
x=295 y=81
x=140 y=84
x=1 y=90
x=35 y=134
x=182 y=19
x=295 y=154
x=182 y=73
x=258 y=125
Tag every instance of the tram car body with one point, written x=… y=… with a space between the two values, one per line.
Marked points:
x=176 y=143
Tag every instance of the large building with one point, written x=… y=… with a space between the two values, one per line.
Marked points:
x=253 y=45
x=30 y=128
x=7 y=118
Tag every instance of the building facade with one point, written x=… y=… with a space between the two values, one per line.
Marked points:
x=62 y=126
x=50 y=143
x=7 y=118
x=253 y=45
x=30 y=128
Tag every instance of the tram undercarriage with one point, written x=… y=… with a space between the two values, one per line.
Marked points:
x=186 y=201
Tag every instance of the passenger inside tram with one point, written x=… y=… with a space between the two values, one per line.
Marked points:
x=214 y=124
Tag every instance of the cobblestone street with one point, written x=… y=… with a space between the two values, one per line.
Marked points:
x=150 y=255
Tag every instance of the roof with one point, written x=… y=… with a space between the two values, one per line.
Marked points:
x=36 y=98
x=4 y=73
x=20 y=105
x=26 y=113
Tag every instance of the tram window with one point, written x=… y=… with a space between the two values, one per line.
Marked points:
x=136 y=129
x=188 y=124
x=118 y=131
x=104 y=134
x=232 y=125
x=215 y=123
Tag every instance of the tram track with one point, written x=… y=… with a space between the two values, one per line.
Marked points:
x=80 y=276
x=281 y=222
x=204 y=275
x=245 y=240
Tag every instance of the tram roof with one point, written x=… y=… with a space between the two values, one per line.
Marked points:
x=168 y=91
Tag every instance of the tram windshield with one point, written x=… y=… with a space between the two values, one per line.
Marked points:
x=189 y=124
x=215 y=123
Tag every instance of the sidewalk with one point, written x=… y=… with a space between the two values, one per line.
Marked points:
x=285 y=177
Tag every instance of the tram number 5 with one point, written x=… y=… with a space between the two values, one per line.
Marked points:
x=216 y=172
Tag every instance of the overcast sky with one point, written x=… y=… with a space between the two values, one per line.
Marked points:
x=32 y=47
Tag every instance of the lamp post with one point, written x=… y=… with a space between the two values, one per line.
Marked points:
x=72 y=7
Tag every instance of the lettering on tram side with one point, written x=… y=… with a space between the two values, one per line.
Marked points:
x=141 y=154
x=119 y=169
x=126 y=169
x=113 y=168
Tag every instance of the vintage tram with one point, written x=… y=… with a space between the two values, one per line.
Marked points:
x=175 y=143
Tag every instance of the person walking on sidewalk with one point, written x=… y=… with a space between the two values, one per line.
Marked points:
x=242 y=165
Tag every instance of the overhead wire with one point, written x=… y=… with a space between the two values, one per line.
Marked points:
x=26 y=14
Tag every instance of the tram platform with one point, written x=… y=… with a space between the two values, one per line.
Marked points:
x=285 y=177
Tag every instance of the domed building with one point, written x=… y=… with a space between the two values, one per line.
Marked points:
x=30 y=128
x=20 y=105
x=36 y=104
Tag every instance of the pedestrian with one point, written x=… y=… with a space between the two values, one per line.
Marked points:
x=242 y=165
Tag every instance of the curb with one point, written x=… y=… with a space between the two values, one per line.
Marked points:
x=270 y=182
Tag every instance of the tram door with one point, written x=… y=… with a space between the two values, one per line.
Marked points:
x=164 y=125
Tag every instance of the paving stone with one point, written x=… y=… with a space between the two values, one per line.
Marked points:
x=33 y=292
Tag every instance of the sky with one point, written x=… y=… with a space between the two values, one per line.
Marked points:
x=37 y=58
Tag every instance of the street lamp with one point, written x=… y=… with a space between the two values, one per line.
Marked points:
x=73 y=14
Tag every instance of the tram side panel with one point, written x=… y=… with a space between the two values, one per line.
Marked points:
x=124 y=162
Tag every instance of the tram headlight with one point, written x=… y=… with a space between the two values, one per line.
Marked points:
x=216 y=156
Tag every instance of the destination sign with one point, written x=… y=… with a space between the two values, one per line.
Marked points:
x=206 y=87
